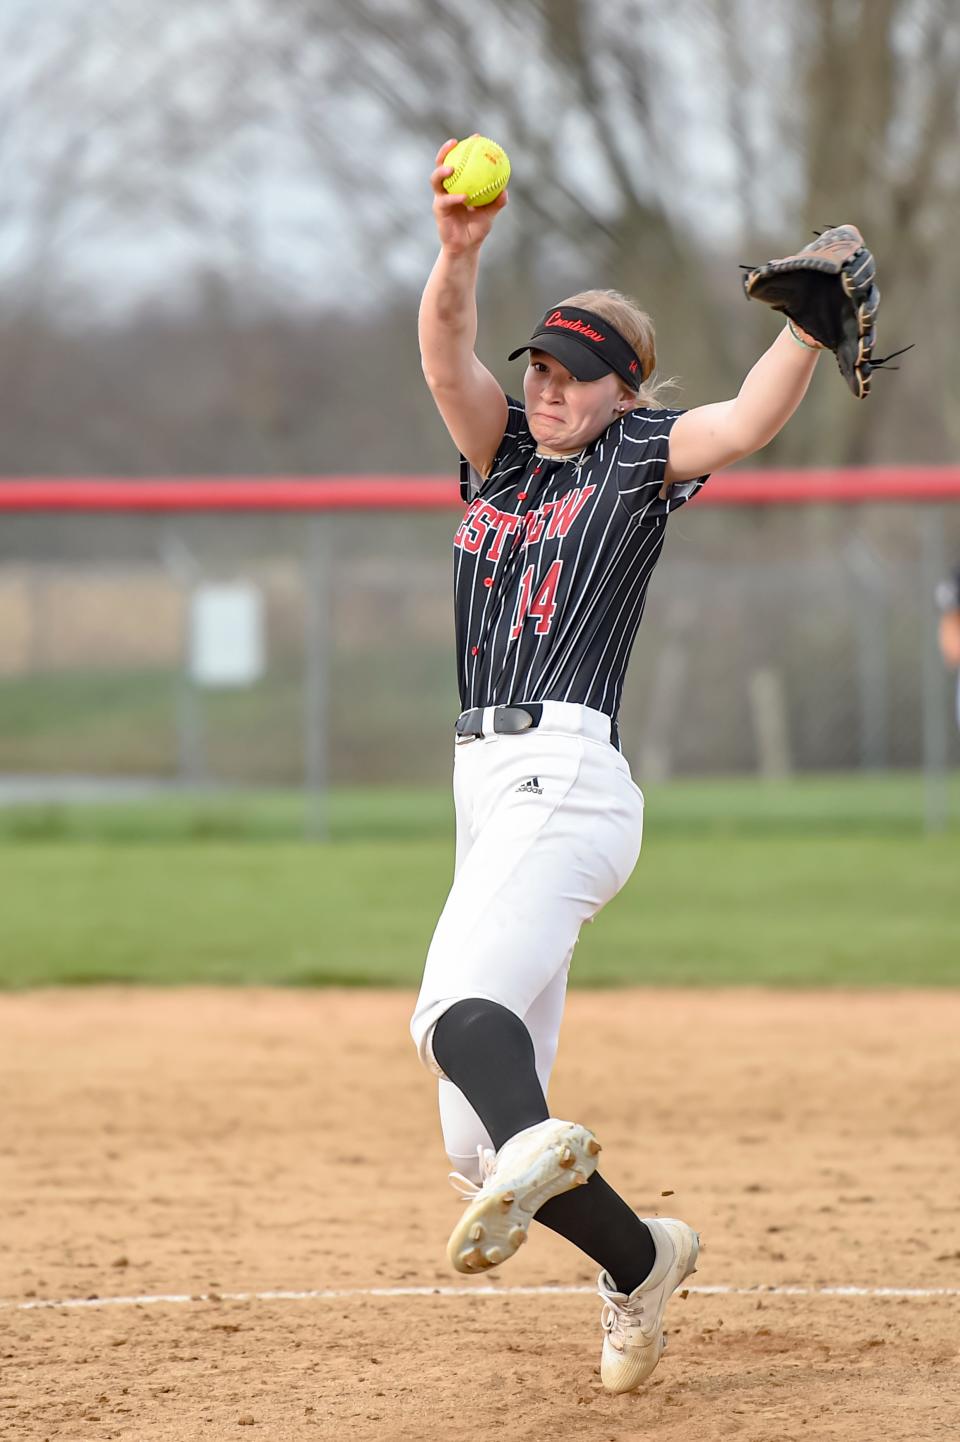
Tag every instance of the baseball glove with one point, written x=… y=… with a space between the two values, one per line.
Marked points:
x=829 y=290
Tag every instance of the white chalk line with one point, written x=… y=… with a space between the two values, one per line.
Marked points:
x=338 y=1294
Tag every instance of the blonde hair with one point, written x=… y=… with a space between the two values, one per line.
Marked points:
x=636 y=327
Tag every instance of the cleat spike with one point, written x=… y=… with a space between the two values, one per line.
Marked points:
x=579 y=1179
x=594 y=1147
x=508 y=1199
x=476 y=1232
x=474 y=1260
x=517 y=1237
x=566 y=1157
x=494 y=1255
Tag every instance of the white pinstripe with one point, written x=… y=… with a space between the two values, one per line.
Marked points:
x=644 y=577
x=635 y=587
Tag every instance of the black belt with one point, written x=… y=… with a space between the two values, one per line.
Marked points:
x=507 y=720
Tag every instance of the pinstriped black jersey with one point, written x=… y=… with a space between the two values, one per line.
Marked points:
x=553 y=559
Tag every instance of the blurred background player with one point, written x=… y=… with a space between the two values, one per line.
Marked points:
x=948 y=631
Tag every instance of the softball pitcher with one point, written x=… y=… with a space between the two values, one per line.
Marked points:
x=568 y=495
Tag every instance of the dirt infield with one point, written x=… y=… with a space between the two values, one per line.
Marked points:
x=198 y=1143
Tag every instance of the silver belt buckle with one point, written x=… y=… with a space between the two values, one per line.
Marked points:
x=511 y=720
x=459 y=738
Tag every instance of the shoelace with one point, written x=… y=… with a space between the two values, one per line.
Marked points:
x=880 y=363
x=615 y=1319
x=463 y=1186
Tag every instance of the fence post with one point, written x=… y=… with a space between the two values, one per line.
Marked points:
x=869 y=612
x=185 y=570
x=933 y=566
x=316 y=672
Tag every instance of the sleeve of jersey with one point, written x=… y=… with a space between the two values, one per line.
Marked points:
x=642 y=461
x=513 y=453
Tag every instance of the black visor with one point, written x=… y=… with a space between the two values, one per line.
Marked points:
x=586 y=344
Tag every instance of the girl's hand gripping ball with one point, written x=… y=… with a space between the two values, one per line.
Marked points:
x=481 y=169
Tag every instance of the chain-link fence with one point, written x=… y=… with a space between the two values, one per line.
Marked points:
x=777 y=640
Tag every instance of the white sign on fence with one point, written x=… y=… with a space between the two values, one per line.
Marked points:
x=226 y=635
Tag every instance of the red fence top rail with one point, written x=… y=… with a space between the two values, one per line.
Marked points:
x=898 y=484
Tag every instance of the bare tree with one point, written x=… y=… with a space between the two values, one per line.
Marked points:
x=282 y=147
x=653 y=151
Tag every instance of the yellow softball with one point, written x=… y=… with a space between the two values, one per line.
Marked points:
x=481 y=169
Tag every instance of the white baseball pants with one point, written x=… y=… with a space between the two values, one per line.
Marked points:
x=549 y=824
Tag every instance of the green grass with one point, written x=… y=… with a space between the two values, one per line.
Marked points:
x=823 y=881
x=95 y=721
x=891 y=803
x=80 y=718
x=350 y=813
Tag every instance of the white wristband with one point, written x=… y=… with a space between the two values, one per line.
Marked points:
x=799 y=338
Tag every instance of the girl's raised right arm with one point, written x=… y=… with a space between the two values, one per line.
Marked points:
x=470 y=400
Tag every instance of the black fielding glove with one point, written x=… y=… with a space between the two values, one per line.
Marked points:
x=829 y=290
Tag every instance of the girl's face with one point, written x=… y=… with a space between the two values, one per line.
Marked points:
x=565 y=414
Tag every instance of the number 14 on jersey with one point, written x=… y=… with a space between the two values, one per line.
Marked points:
x=542 y=606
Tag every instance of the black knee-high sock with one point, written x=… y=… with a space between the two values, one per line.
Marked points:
x=486 y=1051
x=598 y=1221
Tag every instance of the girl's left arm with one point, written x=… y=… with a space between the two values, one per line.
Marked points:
x=708 y=438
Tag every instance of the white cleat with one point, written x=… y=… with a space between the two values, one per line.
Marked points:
x=538 y=1163
x=634 y=1340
